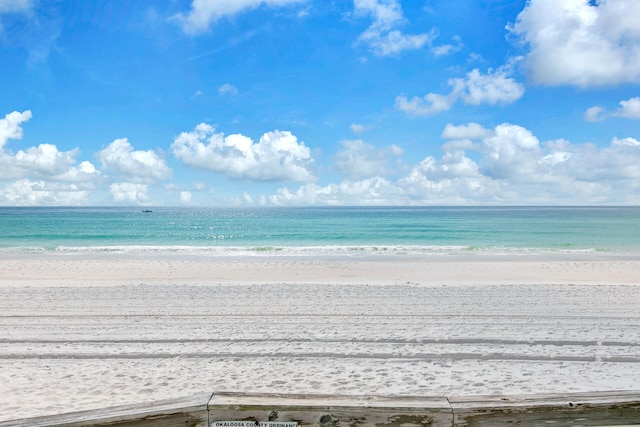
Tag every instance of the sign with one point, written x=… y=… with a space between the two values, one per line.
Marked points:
x=254 y=424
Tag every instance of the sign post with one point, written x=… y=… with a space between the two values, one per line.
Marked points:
x=254 y=424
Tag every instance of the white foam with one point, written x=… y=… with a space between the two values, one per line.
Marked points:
x=314 y=251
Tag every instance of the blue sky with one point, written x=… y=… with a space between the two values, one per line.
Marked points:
x=307 y=102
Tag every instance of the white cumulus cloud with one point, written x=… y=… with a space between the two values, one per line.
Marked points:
x=468 y=131
x=630 y=142
x=45 y=175
x=369 y=191
x=581 y=42
x=27 y=192
x=431 y=103
x=491 y=88
x=357 y=159
x=494 y=87
x=128 y=192
x=454 y=179
x=227 y=89
x=204 y=13
x=360 y=128
x=46 y=159
x=512 y=166
x=277 y=156
x=10 y=126
x=185 y=197
x=135 y=165
x=511 y=152
x=595 y=114
x=42 y=162
x=382 y=36
x=629 y=109
x=447 y=49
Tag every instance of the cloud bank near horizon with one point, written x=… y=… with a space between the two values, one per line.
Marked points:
x=506 y=164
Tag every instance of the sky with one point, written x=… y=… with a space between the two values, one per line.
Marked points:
x=318 y=102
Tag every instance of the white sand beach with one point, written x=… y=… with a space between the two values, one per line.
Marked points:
x=83 y=331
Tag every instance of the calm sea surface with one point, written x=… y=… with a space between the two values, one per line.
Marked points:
x=323 y=231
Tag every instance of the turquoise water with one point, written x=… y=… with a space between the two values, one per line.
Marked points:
x=323 y=230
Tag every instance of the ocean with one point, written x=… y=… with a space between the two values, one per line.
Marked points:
x=322 y=230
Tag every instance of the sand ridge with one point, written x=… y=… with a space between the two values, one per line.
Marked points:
x=109 y=270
